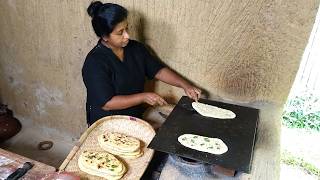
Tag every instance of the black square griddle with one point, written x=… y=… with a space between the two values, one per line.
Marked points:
x=238 y=134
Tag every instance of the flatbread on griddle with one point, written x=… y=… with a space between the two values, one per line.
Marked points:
x=213 y=111
x=203 y=144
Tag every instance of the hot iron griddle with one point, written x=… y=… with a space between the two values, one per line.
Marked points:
x=238 y=134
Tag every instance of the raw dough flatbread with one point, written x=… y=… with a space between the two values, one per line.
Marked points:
x=202 y=143
x=101 y=164
x=213 y=111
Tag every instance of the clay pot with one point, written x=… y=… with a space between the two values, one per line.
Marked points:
x=9 y=126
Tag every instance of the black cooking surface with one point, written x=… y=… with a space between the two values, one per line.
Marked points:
x=238 y=134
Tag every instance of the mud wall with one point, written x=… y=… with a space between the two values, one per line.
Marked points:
x=242 y=51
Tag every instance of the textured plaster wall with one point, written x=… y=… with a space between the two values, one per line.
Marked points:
x=239 y=50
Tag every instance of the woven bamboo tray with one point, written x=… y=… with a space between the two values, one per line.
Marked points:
x=124 y=124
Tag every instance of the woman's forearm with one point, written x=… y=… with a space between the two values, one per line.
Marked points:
x=123 y=102
x=170 y=77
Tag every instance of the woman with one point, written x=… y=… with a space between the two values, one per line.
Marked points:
x=115 y=69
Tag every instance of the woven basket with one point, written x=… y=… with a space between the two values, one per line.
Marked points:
x=124 y=124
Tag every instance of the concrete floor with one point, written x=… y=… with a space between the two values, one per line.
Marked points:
x=26 y=142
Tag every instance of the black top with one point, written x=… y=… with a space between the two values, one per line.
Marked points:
x=105 y=76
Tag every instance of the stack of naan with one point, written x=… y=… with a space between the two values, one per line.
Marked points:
x=120 y=144
x=105 y=164
x=101 y=164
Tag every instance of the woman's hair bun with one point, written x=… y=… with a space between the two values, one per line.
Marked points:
x=94 y=8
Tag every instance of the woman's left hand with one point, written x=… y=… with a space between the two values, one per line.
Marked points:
x=192 y=92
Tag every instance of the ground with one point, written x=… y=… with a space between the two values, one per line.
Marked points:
x=294 y=173
x=300 y=143
x=26 y=142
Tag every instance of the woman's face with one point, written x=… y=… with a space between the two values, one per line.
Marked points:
x=119 y=37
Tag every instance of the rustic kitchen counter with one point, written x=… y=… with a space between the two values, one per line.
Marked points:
x=9 y=162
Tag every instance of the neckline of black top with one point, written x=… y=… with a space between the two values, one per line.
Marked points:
x=112 y=53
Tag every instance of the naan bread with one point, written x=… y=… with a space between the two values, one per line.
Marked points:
x=213 y=111
x=202 y=143
x=101 y=164
x=97 y=173
x=117 y=152
x=120 y=142
x=133 y=155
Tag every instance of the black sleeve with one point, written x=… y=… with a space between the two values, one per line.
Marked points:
x=152 y=65
x=98 y=81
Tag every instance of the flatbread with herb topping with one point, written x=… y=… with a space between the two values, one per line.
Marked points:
x=120 y=144
x=202 y=143
x=101 y=164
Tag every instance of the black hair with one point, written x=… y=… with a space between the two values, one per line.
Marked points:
x=106 y=16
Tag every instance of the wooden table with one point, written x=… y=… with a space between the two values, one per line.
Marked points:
x=9 y=162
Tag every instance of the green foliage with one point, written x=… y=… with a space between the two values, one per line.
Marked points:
x=303 y=111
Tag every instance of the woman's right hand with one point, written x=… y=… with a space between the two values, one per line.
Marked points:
x=153 y=99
